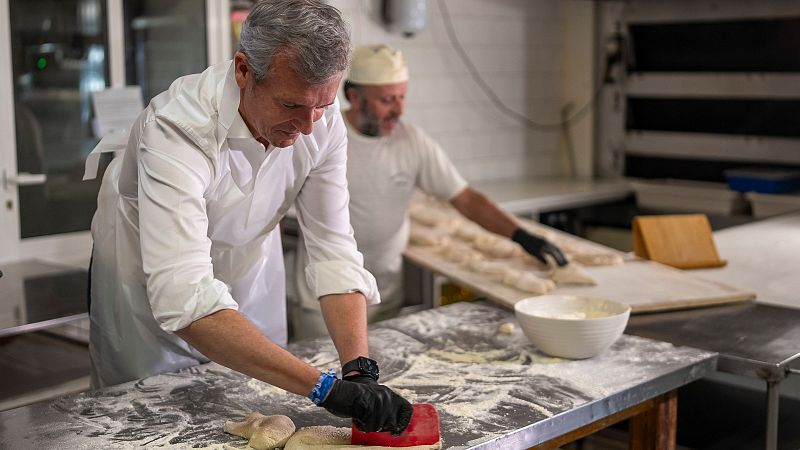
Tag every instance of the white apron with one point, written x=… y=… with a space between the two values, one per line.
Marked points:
x=217 y=246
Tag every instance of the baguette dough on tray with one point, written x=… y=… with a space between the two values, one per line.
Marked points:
x=528 y=282
x=496 y=246
x=460 y=254
x=572 y=274
x=428 y=237
x=463 y=242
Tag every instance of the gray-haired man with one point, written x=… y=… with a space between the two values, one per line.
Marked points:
x=187 y=263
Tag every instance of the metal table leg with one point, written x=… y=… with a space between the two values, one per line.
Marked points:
x=773 y=397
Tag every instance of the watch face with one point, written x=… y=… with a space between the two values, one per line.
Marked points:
x=368 y=364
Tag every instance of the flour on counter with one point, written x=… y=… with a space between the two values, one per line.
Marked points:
x=484 y=384
x=262 y=388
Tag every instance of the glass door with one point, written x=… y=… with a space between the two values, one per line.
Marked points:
x=163 y=41
x=58 y=58
x=53 y=55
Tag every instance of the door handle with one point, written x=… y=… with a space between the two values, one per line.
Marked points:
x=24 y=179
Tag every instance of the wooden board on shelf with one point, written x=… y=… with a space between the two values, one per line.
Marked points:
x=683 y=241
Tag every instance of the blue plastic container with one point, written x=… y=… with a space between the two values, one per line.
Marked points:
x=766 y=181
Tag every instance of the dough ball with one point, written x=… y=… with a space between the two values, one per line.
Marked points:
x=262 y=432
x=506 y=328
x=573 y=274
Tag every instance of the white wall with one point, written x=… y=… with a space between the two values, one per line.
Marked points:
x=517 y=47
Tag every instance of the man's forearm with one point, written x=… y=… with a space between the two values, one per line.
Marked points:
x=346 y=318
x=228 y=338
x=479 y=209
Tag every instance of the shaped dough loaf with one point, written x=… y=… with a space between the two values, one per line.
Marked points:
x=426 y=216
x=573 y=274
x=461 y=254
x=451 y=224
x=528 y=282
x=496 y=247
x=494 y=269
x=427 y=237
x=262 y=432
x=468 y=231
x=326 y=437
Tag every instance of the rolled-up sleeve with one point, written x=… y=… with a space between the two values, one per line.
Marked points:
x=335 y=265
x=173 y=225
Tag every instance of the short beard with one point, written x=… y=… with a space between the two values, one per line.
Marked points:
x=368 y=126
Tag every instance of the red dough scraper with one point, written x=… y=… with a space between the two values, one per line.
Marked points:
x=423 y=429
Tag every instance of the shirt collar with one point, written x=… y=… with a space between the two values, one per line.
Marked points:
x=238 y=128
x=230 y=122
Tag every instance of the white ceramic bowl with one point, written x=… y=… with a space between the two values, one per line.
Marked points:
x=572 y=326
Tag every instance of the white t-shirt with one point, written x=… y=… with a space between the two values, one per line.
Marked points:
x=382 y=174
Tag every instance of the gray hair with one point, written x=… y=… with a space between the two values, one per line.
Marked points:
x=312 y=33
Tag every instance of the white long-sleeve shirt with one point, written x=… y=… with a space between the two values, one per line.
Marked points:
x=187 y=225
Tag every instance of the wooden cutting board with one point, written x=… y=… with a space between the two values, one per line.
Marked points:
x=683 y=241
x=645 y=285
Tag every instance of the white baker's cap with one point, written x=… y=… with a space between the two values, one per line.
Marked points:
x=378 y=65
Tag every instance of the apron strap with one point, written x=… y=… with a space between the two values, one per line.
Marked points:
x=114 y=141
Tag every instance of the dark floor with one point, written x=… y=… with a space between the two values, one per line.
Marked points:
x=717 y=416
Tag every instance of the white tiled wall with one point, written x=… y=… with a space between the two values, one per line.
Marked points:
x=516 y=46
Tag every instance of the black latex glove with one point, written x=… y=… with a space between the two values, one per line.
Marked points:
x=360 y=378
x=538 y=247
x=372 y=406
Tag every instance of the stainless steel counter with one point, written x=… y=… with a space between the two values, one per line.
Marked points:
x=35 y=295
x=762 y=256
x=493 y=391
x=753 y=340
x=759 y=340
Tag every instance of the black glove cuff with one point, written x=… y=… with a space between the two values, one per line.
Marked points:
x=524 y=238
x=364 y=366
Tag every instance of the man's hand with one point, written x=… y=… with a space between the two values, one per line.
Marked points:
x=538 y=247
x=372 y=406
x=360 y=378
